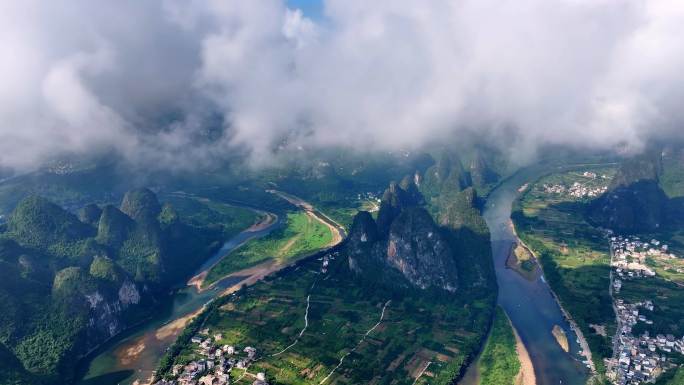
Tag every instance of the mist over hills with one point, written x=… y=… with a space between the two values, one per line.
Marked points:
x=124 y=125
x=253 y=80
x=103 y=257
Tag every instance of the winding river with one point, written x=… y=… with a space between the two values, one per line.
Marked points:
x=529 y=304
x=136 y=354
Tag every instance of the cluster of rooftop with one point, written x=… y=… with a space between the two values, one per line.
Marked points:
x=579 y=189
x=637 y=359
x=629 y=258
x=215 y=368
x=576 y=190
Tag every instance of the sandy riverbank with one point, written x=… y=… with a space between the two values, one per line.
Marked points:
x=515 y=264
x=251 y=276
x=198 y=280
x=308 y=207
x=526 y=374
x=129 y=353
x=584 y=345
x=337 y=237
x=268 y=220
x=336 y=234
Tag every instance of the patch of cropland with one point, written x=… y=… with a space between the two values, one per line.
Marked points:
x=399 y=302
x=499 y=363
x=549 y=219
x=68 y=282
x=302 y=234
x=338 y=318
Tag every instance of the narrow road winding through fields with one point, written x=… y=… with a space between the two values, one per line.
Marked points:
x=382 y=315
x=422 y=372
x=306 y=325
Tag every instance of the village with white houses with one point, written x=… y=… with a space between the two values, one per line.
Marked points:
x=215 y=369
x=577 y=189
x=220 y=361
x=637 y=359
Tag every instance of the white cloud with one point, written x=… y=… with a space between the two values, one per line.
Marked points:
x=87 y=76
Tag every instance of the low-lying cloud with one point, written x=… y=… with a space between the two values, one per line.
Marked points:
x=185 y=83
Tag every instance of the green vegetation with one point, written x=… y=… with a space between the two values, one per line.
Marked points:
x=499 y=364
x=204 y=212
x=416 y=328
x=646 y=194
x=667 y=297
x=344 y=214
x=301 y=235
x=86 y=183
x=11 y=370
x=105 y=269
x=40 y=224
x=52 y=263
x=454 y=205
x=62 y=279
x=672 y=377
x=522 y=261
x=573 y=254
x=366 y=317
x=672 y=175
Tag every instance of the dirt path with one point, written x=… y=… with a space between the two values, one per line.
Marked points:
x=382 y=315
x=336 y=233
x=301 y=333
x=422 y=372
x=284 y=249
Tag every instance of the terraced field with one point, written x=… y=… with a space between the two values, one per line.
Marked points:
x=311 y=327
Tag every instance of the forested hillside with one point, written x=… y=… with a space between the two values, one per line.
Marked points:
x=69 y=282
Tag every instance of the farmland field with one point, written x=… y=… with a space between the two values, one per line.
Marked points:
x=301 y=235
x=304 y=322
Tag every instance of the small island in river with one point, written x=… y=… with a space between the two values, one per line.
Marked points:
x=561 y=337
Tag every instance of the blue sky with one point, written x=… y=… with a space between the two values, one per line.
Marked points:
x=312 y=8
